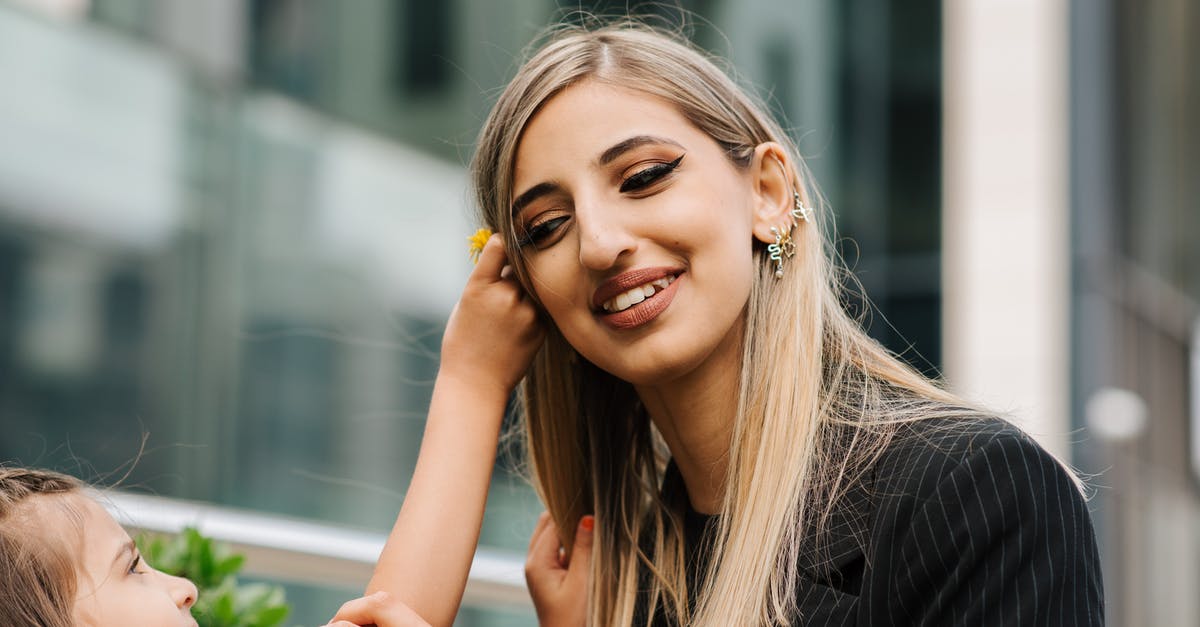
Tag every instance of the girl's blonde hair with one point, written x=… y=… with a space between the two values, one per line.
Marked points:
x=818 y=399
x=37 y=573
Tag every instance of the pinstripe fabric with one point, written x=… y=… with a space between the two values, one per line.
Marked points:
x=962 y=522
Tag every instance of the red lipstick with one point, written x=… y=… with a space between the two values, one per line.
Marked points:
x=628 y=280
x=643 y=312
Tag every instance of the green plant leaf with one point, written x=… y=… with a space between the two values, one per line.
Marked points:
x=213 y=567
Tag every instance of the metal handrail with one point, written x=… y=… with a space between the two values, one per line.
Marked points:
x=307 y=552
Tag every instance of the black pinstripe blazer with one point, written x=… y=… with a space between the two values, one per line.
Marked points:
x=961 y=522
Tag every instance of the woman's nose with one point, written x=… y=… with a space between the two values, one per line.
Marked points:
x=603 y=239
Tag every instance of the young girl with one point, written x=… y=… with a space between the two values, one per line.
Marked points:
x=750 y=455
x=65 y=561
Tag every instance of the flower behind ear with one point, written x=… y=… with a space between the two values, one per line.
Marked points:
x=476 y=243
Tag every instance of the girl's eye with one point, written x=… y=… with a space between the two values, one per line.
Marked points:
x=643 y=178
x=539 y=234
x=133 y=566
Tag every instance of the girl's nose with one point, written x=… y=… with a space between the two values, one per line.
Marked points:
x=183 y=592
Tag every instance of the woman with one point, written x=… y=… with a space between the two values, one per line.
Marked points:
x=750 y=455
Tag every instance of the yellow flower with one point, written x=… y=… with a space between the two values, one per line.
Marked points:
x=477 y=242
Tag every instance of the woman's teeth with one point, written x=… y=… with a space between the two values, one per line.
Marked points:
x=625 y=300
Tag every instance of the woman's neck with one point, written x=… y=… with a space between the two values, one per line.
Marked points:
x=695 y=415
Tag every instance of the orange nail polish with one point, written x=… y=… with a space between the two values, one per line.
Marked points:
x=588 y=522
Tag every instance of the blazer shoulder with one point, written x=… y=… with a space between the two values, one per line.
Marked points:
x=924 y=453
x=976 y=524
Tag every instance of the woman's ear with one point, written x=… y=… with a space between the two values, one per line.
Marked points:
x=771 y=177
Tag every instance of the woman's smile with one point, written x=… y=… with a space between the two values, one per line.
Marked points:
x=631 y=299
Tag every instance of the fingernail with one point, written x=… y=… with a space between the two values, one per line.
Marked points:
x=588 y=522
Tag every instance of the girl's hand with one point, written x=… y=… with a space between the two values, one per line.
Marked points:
x=380 y=609
x=559 y=587
x=493 y=332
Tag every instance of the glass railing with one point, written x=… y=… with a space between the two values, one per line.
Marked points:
x=292 y=550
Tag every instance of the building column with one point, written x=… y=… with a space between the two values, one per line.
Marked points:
x=1005 y=214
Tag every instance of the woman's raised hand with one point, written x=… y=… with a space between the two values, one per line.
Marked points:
x=557 y=582
x=490 y=340
x=493 y=332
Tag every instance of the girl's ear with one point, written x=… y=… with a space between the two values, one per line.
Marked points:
x=771 y=177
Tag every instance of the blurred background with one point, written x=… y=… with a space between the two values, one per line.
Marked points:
x=231 y=232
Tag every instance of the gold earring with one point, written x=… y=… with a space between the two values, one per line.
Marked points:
x=783 y=248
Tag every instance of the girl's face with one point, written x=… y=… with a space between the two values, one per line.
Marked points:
x=116 y=587
x=637 y=232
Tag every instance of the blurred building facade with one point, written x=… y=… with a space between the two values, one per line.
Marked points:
x=234 y=228
x=1135 y=181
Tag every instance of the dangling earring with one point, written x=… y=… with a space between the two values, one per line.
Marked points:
x=800 y=212
x=783 y=247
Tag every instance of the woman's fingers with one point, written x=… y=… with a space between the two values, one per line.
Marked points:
x=581 y=553
x=543 y=522
x=492 y=260
x=494 y=332
x=543 y=551
x=546 y=551
x=559 y=587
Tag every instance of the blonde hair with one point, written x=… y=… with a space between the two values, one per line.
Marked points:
x=37 y=573
x=818 y=399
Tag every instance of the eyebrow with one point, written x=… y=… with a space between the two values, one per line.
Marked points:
x=129 y=548
x=606 y=157
x=620 y=148
x=532 y=194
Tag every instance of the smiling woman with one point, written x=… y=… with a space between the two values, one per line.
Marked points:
x=623 y=209
x=705 y=412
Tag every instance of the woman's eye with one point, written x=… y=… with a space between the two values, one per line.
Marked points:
x=643 y=178
x=540 y=233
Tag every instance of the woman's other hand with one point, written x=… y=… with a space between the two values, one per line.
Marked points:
x=380 y=609
x=493 y=332
x=558 y=583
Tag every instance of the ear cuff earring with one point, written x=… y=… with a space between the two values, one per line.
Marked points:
x=800 y=212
